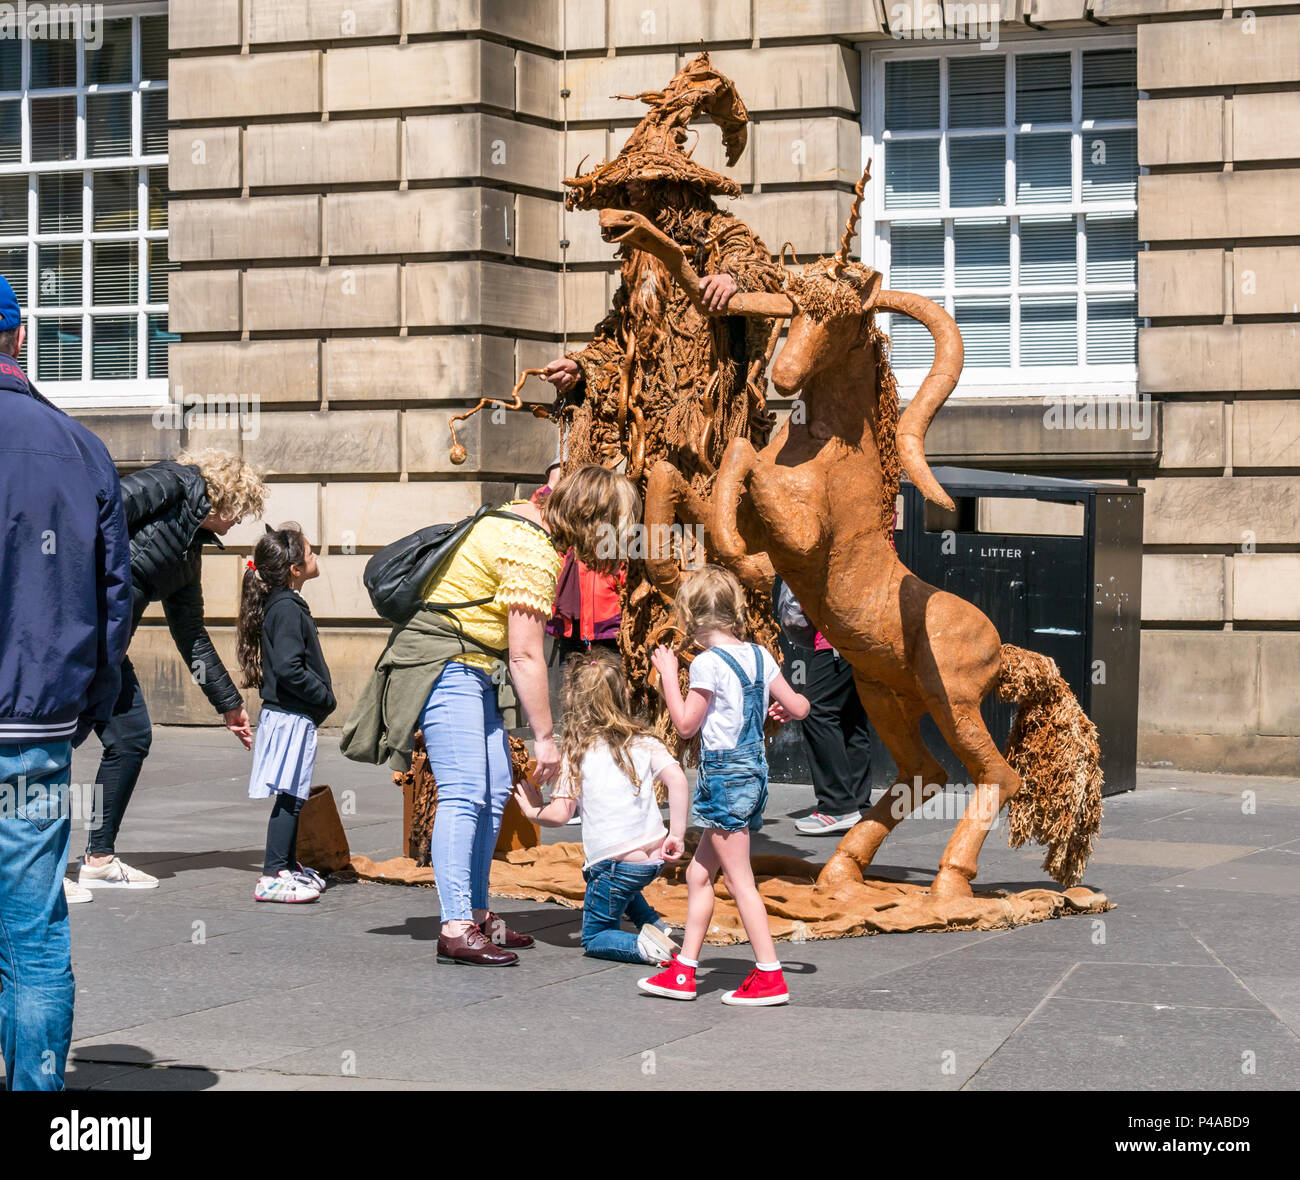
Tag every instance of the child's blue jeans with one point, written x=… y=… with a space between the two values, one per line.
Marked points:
x=614 y=890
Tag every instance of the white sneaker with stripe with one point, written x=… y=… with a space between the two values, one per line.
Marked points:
x=286 y=888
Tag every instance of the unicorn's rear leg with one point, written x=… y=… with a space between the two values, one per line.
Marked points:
x=919 y=776
x=995 y=784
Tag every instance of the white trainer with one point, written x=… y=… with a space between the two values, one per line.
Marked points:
x=74 y=894
x=286 y=887
x=655 y=946
x=117 y=874
x=821 y=824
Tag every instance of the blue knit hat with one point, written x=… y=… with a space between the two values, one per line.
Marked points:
x=10 y=316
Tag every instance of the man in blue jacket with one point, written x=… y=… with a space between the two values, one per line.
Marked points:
x=65 y=618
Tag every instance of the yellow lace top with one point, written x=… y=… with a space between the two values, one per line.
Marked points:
x=509 y=560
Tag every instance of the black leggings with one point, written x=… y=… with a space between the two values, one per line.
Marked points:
x=282 y=835
x=126 y=735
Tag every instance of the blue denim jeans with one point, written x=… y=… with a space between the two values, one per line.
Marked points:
x=614 y=890
x=470 y=759
x=36 y=984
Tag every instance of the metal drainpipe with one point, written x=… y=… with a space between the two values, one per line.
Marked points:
x=564 y=213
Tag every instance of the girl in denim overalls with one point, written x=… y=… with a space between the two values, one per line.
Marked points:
x=727 y=702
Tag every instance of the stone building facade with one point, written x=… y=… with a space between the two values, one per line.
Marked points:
x=365 y=213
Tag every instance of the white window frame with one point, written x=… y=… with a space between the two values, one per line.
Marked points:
x=1054 y=381
x=88 y=392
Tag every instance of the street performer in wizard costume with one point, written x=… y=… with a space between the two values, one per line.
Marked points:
x=661 y=380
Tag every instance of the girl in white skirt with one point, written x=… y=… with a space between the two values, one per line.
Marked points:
x=280 y=653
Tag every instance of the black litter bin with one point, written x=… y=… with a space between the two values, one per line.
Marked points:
x=1061 y=575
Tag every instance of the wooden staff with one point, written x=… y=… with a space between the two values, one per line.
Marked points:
x=539 y=410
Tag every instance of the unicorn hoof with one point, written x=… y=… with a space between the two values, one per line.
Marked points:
x=839 y=870
x=949 y=884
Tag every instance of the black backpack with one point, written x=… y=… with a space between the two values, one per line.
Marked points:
x=396 y=575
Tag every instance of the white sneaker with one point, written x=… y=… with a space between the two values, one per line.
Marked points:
x=74 y=893
x=820 y=824
x=117 y=874
x=655 y=946
x=286 y=887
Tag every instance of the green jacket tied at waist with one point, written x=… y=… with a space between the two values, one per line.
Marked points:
x=382 y=725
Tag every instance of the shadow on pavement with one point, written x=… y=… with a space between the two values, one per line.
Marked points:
x=131 y=1067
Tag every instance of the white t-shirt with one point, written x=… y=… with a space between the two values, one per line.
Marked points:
x=725 y=720
x=617 y=817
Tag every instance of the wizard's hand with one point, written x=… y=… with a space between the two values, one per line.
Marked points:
x=717 y=290
x=563 y=373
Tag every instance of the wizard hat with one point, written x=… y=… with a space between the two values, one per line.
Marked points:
x=655 y=151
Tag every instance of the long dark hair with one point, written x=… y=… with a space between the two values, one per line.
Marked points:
x=269 y=570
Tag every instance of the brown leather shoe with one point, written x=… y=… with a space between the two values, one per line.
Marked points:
x=495 y=928
x=473 y=949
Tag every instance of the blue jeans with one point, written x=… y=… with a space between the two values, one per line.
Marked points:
x=36 y=984
x=613 y=890
x=470 y=759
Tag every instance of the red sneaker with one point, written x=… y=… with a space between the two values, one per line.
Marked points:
x=761 y=989
x=675 y=982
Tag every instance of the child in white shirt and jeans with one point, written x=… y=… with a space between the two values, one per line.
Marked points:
x=611 y=763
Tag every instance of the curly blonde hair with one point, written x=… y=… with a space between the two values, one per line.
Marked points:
x=235 y=490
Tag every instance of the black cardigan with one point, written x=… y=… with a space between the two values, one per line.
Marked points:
x=294 y=676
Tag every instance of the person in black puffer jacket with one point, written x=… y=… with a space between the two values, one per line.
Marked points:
x=173 y=509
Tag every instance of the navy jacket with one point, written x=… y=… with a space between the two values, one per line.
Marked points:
x=65 y=571
x=294 y=675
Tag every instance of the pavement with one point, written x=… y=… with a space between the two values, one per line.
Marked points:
x=1191 y=983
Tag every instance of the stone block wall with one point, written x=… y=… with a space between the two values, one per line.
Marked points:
x=1219 y=284
x=367 y=213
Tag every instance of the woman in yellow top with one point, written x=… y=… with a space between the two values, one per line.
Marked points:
x=513 y=560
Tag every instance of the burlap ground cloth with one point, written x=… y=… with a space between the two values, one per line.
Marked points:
x=797 y=913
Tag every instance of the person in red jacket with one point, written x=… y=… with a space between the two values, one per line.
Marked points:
x=587 y=610
x=587 y=613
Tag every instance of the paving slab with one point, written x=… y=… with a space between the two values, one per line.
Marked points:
x=1115 y=850
x=815 y=1049
x=1076 y=1044
x=1159 y=984
x=1243 y=876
